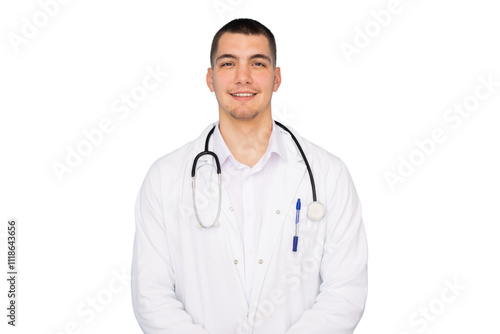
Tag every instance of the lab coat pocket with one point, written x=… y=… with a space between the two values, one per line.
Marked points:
x=295 y=240
x=310 y=243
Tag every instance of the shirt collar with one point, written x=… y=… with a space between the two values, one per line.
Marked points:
x=276 y=145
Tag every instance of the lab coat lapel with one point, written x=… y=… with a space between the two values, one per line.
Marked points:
x=282 y=199
x=233 y=239
x=227 y=217
x=228 y=224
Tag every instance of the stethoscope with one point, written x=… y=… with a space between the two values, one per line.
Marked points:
x=315 y=211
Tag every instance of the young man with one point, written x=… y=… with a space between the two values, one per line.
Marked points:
x=249 y=259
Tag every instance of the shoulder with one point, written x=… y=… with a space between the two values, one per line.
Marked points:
x=330 y=173
x=332 y=177
x=316 y=155
x=174 y=164
x=331 y=170
x=320 y=153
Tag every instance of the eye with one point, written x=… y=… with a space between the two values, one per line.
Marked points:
x=259 y=64
x=226 y=64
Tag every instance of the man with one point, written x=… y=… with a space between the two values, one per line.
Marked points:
x=259 y=265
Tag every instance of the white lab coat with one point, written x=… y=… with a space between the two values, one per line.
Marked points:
x=190 y=280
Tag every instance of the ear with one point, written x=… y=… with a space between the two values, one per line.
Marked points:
x=277 y=79
x=210 y=80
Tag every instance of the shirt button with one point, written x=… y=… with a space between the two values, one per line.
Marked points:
x=260 y=261
x=230 y=208
x=277 y=212
x=235 y=261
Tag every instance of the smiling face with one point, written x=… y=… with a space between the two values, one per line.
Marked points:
x=243 y=77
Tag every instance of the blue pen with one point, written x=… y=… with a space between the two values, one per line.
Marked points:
x=297 y=217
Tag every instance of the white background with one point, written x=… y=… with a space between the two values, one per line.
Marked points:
x=76 y=235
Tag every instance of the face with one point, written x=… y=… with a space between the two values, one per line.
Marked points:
x=243 y=76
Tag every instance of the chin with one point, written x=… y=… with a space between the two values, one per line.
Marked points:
x=243 y=115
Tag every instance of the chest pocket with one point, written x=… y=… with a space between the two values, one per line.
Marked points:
x=310 y=242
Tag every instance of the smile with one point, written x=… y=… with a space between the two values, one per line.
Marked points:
x=244 y=94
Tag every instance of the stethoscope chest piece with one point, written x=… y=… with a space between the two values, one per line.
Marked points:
x=316 y=211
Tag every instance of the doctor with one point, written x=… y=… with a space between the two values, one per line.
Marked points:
x=244 y=274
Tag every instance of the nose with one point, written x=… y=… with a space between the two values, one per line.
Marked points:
x=243 y=75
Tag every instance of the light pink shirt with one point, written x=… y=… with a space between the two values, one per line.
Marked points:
x=247 y=189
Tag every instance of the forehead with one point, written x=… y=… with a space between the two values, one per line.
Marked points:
x=243 y=45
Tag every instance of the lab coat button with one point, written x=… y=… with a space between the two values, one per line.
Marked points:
x=235 y=261
x=260 y=261
x=230 y=208
x=277 y=212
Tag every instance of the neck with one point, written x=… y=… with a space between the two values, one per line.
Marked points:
x=247 y=140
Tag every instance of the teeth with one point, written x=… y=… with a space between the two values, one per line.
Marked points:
x=243 y=94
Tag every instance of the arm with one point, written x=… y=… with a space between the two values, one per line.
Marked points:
x=343 y=268
x=153 y=282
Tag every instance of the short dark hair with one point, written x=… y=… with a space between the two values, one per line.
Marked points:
x=246 y=27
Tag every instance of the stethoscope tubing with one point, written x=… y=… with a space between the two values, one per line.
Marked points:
x=313 y=185
x=207 y=152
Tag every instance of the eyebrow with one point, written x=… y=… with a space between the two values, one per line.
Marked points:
x=255 y=56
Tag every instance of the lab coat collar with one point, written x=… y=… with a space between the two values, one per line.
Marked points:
x=275 y=146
